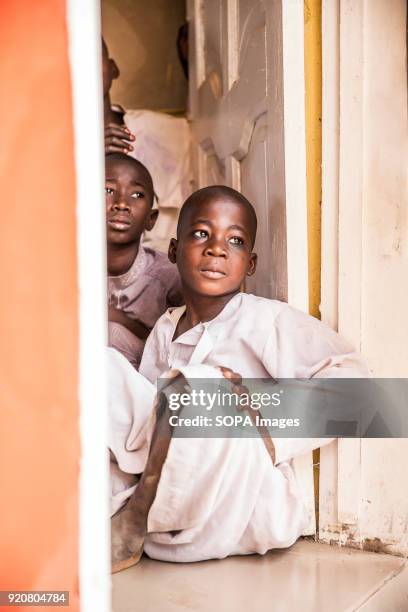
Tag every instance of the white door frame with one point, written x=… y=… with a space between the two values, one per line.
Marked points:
x=84 y=33
x=356 y=34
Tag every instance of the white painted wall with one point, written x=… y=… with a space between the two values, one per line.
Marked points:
x=364 y=487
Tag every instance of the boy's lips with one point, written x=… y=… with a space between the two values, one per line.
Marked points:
x=119 y=223
x=212 y=272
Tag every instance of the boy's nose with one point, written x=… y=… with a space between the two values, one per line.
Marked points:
x=216 y=249
x=121 y=204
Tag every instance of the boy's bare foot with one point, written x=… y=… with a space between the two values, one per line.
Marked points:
x=127 y=539
x=129 y=524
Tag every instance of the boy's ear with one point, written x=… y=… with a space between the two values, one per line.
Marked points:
x=253 y=260
x=115 y=72
x=151 y=221
x=172 y=253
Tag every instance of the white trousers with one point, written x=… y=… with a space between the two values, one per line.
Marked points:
x=223 y=496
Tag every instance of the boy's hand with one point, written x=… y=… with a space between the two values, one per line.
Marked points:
x=236 y=380
x=239 y=388
x=118 y=139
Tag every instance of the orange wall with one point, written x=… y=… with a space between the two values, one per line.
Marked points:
x=39 y=440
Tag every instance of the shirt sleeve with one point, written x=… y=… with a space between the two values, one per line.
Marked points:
x=289 y=448
x=300 y=346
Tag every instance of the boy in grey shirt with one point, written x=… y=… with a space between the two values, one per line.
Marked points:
x=142 y=283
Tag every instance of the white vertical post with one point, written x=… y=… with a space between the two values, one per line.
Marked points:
x=328 y=486
x=295 y=153
x=85 y=59
x=351 y=170
x=296 y=197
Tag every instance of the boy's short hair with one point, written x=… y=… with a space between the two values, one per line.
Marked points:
x=216 y=192
x=138 y=164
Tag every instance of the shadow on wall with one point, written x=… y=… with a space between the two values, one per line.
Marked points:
x=142 y=37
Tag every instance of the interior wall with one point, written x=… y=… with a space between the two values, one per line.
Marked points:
x=141 y=37
x=363 y=493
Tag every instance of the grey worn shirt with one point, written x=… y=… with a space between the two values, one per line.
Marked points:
x=144 y=292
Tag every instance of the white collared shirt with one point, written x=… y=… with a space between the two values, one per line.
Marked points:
x=256 y=337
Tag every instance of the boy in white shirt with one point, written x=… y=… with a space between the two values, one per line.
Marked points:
x=209 y=498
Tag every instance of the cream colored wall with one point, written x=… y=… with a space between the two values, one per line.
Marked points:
x=364 y=486
x=141 y=37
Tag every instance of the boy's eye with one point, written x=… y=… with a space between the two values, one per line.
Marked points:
x=236 y=240
x=137 y=194
x=200 y=234
x=108 y=190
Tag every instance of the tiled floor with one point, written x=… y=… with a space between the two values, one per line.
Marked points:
x=308 y=577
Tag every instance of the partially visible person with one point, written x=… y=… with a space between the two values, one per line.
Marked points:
x=160 y=142
x=142 y=283
x=182 y=47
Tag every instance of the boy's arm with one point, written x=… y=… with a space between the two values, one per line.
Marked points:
x=301 y=347
x=279 y=449
x=133 y=325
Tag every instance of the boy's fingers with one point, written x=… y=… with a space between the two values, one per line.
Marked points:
x=117 y=130
x=230 y=375
x=119 y=144
x=240 y=390
x=225 y=371
x=110 y=149
x=234 y=376
x=119 y=135
x=113 y=149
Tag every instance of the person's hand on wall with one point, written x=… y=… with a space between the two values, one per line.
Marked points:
x=118 y=139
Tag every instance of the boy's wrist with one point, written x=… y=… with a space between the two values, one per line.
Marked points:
x=136 y=327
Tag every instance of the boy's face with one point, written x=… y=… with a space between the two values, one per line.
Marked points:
x=214 y=248
x=129 y=199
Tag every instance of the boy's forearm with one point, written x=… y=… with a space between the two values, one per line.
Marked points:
x=133 y=325
x=136 y=327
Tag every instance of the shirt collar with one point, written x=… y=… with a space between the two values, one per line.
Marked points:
x=174 y=315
